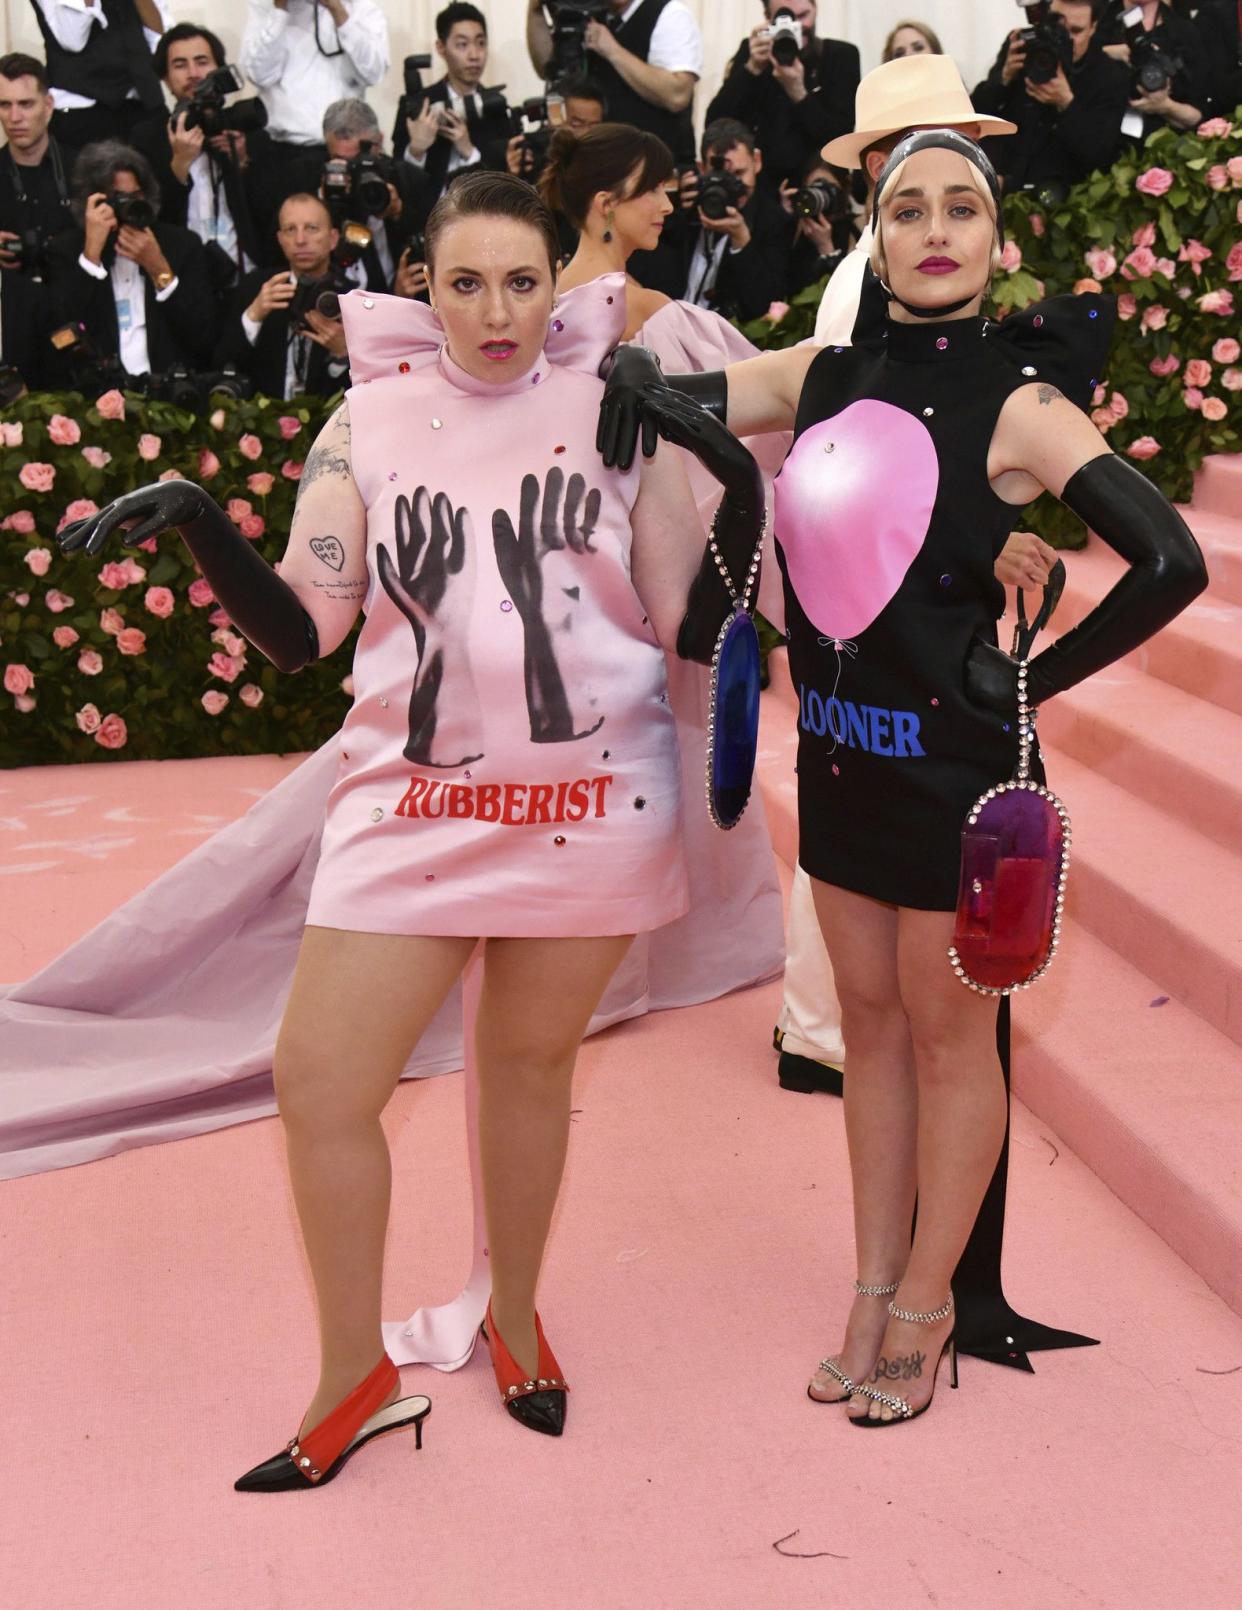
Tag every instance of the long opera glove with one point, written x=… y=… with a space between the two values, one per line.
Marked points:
x=444 y=1336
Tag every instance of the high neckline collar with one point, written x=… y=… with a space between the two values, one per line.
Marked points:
x=457 y=376
x=938 y=341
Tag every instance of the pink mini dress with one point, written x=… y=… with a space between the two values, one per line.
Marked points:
x=510 y=765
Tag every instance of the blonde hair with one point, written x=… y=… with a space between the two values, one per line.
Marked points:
x=878 y=259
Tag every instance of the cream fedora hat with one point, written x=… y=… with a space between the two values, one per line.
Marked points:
x=907 y=93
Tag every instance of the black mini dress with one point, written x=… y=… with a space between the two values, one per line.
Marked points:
x=887 y=532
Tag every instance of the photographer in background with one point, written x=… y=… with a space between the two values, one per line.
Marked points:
x=459 y=119
x=736 y=250
x=794 y=89
x=137 y=288
x=573 y=103
x=284 y=331
x=203 y=154
x=646 y=55
x=1170 y=75
x=99 y=65
x=34 y=187
x=824 y=226
x=1066 y=96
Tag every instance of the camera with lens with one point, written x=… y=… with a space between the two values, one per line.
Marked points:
x=537 y=110
x=1152 y=68
x=318 y=293
x=205 y=108
x=785 y=32
x=132 y=209
x=1049 y=48
x=194 y=389
x=29 y=252
x=569 y=26
x=719 y=190
x=415 y=96
x=92 y=372
x=357 y=187
x=12 y=385
x=821 y=200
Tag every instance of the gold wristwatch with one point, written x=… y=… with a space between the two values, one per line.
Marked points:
x=164 y=279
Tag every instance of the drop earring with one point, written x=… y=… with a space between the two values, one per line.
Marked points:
x=608 y=223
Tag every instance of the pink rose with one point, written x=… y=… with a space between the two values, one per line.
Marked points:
x=113 y=576
x=57 y=601
x=1163 y=367
x=219 y=618
x=289 y=426
x=18 y=679
x=25 y=702
x=347 y=686
x=23 y=522
x=229 y=641
x=237 y=509
x=1234 y=261
x=260 y=483
x=1232 y=380
x=170 y=475
x=131 y=641
x=1198 y=372
x=96 y=457
x=200 y=593
x=1140 y=264
x=250 y=446
x=11 y=434
x=79 y=509
x=1217 y=177
x=216 y=420
x=1144 y=447
x=251 y=526
x=1195 y=253
x=1154 y=182
x=251 y=695
x=1098 y=395
x=159 y=601
x=1103 y=419
x=291 y=469
x=64 y=636
x=1037 y=225
x=89 y=662
x=1119 y=405
x=776 y=312
x=149 y=446
x=1166 y=266
x=1193 y=398
x=111 y=405
x=1234 y=169
x=111 y=621
x=62 y=430
x=208 y=464
x=88 y=718
x=112 y=733
x=39 y=561
x=1154 y=317
x=20 y=599
x=1101 y=262
x=1081 y=287
x=149 y=545
x=1011 y=257
x=223 y=666
x=1144 y=235
x=1226 y=350
x=1214 y=409
x=213 y=701
x=1127 y=306
x=1215 y=128
x=1216 y=302
x=37 y=477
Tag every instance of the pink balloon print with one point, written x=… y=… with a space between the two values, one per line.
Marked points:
x=853 y=502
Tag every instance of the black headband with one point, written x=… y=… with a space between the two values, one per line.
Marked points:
x=943 y=140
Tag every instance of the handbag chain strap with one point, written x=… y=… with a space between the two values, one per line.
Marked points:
x=748 y=587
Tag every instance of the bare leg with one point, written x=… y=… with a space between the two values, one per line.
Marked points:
x=880 y=1111
x=358 y=1006
x=538 y=997
x=961 y=1124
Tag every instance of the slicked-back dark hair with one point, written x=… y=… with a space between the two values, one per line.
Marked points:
x=480 y=193
x=175 y=36
x=448 y=19
x=579 y=166
x=18 y=65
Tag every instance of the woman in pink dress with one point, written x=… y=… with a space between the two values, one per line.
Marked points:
x=509 y=770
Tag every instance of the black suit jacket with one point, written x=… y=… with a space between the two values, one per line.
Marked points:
x=1219 y=24
x=179 y=329
x=25 y=324
x=1178 y=36
x=788 y=134
x=265 y=362
x=1051 y=145
x=151 y=138
x=486 y=132
x=749 y=281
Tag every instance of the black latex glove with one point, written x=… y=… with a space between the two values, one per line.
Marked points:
x=264 y=608
x=620 y=410
x=686 y=423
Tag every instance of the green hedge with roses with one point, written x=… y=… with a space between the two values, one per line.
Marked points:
x=1161 y=231
x=127 y=655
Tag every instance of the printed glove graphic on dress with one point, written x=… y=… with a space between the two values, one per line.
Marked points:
x=543 y=580
x=432 y=583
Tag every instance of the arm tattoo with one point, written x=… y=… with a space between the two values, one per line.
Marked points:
x=1047 y=393
x=328 y=457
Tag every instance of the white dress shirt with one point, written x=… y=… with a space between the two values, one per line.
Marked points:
x=677 y=43
x=71 y=26
x=129 y=292
x=709 y=253
x=838 y=308
x=296 y=80
x=207 y=210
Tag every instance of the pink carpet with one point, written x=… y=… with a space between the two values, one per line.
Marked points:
x=157 y=1336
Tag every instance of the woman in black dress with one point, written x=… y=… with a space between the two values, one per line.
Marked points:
x=915 y=450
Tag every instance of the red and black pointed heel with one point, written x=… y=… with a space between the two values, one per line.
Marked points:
x=539 y=1404
x=314 y=1459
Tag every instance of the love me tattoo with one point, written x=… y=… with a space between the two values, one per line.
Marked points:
x=330 y=551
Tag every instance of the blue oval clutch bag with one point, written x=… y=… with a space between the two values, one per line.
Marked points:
x=733 y=719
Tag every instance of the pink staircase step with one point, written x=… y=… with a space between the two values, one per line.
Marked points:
x=1177 y=752
x=1148 y=1095
x=1220 y=537
x=1218 y=485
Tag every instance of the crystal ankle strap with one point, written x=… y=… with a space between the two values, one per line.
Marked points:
x=876 y=1291
x=932 y=1318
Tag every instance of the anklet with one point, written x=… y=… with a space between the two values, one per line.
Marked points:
x=911 y=1318
x=876 y=1291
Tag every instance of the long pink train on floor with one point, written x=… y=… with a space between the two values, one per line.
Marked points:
x=121 y=1041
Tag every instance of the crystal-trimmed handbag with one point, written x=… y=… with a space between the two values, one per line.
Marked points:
x=1015 y=857
x=733 y=699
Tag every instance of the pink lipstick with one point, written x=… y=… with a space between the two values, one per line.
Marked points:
x=498 y=351
x=939 y=265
